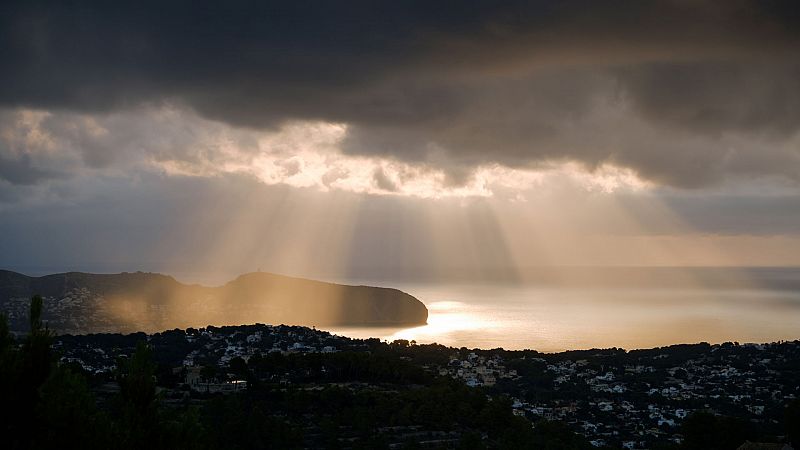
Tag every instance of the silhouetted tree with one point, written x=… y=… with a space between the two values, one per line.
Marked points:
x=9 y=376
x=208 y=372
x=792 y=422
x=5 y=335
x=705 y=431
x=138 y=406
x=46 y=405
x=471 y=441
x=238 y=367
x=68 y=414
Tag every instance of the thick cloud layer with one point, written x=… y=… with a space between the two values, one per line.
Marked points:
x=685 y=93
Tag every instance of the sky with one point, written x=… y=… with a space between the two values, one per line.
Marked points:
x=398 y=139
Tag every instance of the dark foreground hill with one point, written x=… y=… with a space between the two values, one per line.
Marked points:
x=84 y=303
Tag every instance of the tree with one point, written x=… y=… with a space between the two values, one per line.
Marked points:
x=68 y=414
x=9 y=376
x=706 y=431
x=471 y=440
x=37 y=305
x=48 y=405
x=792 y=423
x=208 y=372
x=238 y=367
x=138 y=408
x=5 y=336
x=38 y=358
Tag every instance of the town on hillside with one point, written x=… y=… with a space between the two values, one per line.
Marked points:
x=613 y=398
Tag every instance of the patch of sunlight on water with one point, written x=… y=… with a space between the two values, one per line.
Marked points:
x=562 y=319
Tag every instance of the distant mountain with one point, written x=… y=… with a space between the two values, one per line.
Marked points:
x=79 y=303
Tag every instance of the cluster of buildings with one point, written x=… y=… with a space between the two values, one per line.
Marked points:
x=78 y=311
x=190 y=350
x=477 y=370
x=632 y=399
x=613 y=397
x=221 y=345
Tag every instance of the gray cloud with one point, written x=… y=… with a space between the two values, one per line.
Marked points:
x=685 y=93
x=719 y=97
x=22 y=171
x=39 y=146
x=383 y=181
x=290 y=166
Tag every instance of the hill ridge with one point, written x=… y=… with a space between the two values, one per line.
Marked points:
x=81 y=302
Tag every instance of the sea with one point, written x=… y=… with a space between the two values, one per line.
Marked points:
x=550 y=318
x=580 y=308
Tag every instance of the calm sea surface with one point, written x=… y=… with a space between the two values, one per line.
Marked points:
x=556 y=319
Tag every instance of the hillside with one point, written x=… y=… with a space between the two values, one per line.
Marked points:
x=86 y=303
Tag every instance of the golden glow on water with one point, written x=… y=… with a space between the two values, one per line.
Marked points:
x=553 y=224
x=445 y=318
x=563 y=319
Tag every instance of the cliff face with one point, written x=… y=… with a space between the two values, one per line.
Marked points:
x=84 y=303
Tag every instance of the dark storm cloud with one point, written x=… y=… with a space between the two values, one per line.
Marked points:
x=450 y=84
x=719 y=97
